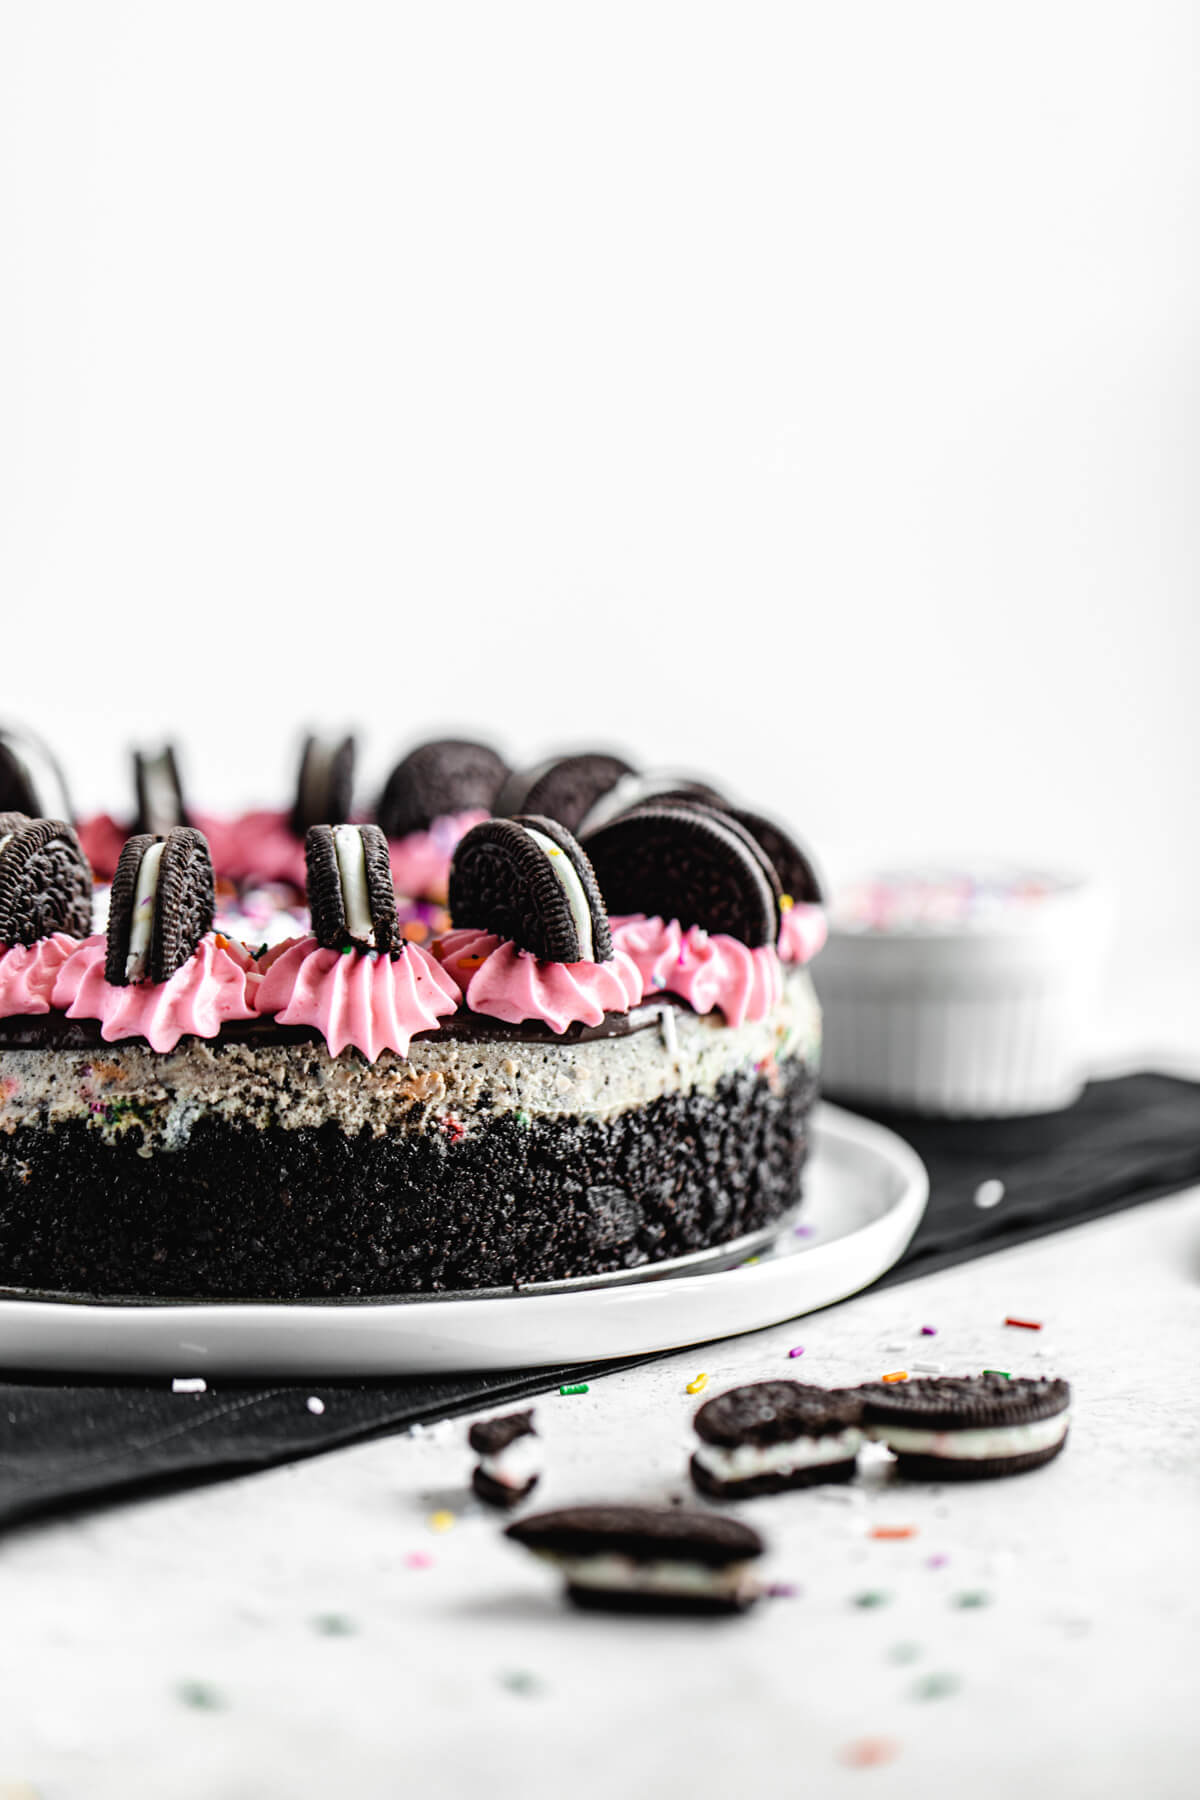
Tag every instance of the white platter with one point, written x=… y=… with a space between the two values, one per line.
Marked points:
x=865 y=1191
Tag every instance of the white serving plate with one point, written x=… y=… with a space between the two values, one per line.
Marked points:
x=865 y=1191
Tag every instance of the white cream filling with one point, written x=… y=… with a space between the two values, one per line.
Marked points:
x=973 y=1446
x=745 y=1461
x=516 y=1465
x=6 y=838
x=568 y=879
x=162 y=802
x=141 y=923
x=629 y=1575
x=352 y=872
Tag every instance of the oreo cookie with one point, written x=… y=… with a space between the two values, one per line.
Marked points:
x=325 y=784
x=647 y=1558
x=659 y=787
x=449 y=775
x=159 y=791
x=797 y=876
x=773 y=1435
x=161 y=905
x=31 y=781
x=528 y=881
x=351 y=896
x=691 y=863
x=966 y=1428
x=510 y=1458
x=565 y=789
x=45 y=880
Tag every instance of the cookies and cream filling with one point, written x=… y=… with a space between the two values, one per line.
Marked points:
x=568 y=879
x=352 y=873
x=976 y=1444
x=745 y=1462
x=516 y=1465
x=141 y=922
x=669 y=1576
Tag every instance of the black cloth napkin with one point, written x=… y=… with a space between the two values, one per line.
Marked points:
x=84 y=1443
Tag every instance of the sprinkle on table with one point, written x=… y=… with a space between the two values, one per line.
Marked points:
x=989 y=1194
x=902 y=1654
x=937 y=1561
x=972 y=1599
x=871 y=1598
x=442 y=1520
x=189 y=1384
x=893 y=1531
x=896 y=1375
x=935 y=1686
x=698 y=1386
x=869 y=1752
x=521 y=1681
x=928 y=1368
x=334 y=1625
x=781 y=1590
x=314 y=1404
x=202 y=1696
x=1025 y=1324
x=796 y=1350
x=574 y=1387
x=929 y=1331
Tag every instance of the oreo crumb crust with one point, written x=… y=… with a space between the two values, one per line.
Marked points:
x=31 y=781
x=449 y=775
x=45 y=880
x=184 y=904
x=645 y=1533
x=964 y=1402
x=488 y=1437
x=159 y=792
x=502 y=881
x=565 y=790
x=325 y=784
x=776 y=1412
x=327 y=900
x=797 y=876
x=687 y=863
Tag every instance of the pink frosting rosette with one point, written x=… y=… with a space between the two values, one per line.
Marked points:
x=802 y=932
x=357 y=997
x=711 y=971
x=103 y=840
x=216 y=983
x=256 y=846
x=421 y=859
x=505 y=983
x=28 y=973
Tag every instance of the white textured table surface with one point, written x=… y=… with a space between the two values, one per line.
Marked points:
x=1077 y=1675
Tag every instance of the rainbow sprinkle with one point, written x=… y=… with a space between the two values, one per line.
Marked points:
x=896 y=1375
x=698 y=1386
x=796 y=1350
x=893 y=1531
x=575 y=1387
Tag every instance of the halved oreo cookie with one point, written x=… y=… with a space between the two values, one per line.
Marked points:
x=965 y=1428
x=161 y=905
x=45 y=880
x=530 y=882
x=510 y=1458
x=449 y=775
x=565 y=789
x=30 y=778
x=325 y=785
x=773 y=1435
x=160 y=804
x=351 y=895
x=688 y=863
x=646 y=1558
x=797 y=876
x=658 y=788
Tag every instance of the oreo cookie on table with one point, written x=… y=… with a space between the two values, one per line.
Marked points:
x=159 y=792
x=325 y=784
x=449 y=775
x=161 y=905
x=646 y=1558
x=565 y=789
x=510 y=1463
x=966 y=1428
x=31 y=781
x=688 y=862
x=529 y=881
x=772 y=1435
x=351 y=895
x=45 y=880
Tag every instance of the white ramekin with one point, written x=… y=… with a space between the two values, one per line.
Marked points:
x=986 y=1017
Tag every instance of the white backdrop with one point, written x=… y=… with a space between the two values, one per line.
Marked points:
x=807 y=393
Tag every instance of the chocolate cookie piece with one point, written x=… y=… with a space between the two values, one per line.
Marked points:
x=325 y=785
x=510 y=1464
x=688 y=863
x=564 y=789
x=965 y=1428
x=528 y=881
x=449 y=775
x=31 y=780
x=159 y=791
x=646 y=1558
x=351 y=896
x=772 y=1435
x=162 y=904
x=45 y=880
x=797 y=876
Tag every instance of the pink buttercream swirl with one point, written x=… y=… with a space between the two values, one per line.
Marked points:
x=802 y=932
x=255 y=846
x=103 y=840
x=374 y=1002
x=421 y=860
x=711 y=971
x=510 y=984
x=216 y=983
x=28 y=973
